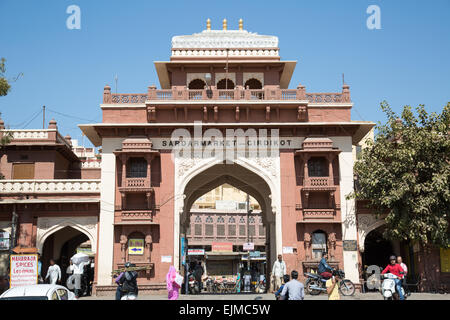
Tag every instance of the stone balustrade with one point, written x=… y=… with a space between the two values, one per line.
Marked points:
x=49 y=186
x=318 y=213
x=238 y=93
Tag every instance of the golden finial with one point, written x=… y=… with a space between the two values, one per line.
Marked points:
x=208 y=24
x=241 y=24
x=224 y=24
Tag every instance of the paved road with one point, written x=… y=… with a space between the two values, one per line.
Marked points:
x=227 y=297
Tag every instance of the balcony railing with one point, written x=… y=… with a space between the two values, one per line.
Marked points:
x=238 y=93
x=136 y=183
x=318 y=182
x=318 y=213
x=49 y=186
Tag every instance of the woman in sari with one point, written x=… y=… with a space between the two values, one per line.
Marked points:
x=172 y=286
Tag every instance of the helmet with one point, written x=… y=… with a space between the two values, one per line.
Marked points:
x=127 y=265
x=392 y=257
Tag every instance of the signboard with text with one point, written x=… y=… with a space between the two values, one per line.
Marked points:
x=196 y=252
x=4 y=240
x=248 y=246
x=136 y=246
x=222 y=247
x=23 y=270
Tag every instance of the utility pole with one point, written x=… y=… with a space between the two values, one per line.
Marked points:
x=43 y=117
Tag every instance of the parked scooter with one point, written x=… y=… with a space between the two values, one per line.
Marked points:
x=194 y=286
x=315 y=284
x=388 y=289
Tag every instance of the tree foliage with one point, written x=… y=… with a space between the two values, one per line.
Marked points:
x=4 y=84
x=405 y=173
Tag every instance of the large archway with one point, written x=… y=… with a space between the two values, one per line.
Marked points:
x=241 y=177
x=61 y=246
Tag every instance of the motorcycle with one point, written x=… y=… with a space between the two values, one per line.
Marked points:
x=388 y=289
x=194 y=286
x=315 y=284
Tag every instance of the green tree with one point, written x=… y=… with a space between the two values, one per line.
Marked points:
x=4 y=84
x=405 y=173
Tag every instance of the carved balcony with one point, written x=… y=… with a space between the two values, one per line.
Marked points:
x=136 y=185
x=325 y=214
x=318 y=184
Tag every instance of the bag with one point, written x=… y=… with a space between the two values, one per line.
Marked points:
x=179 y=279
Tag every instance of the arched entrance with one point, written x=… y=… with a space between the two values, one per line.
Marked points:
x=241 y=178
x=61 y=246
x=377 y=249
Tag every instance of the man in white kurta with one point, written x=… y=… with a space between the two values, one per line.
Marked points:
x=278 y=271
x=54 y=272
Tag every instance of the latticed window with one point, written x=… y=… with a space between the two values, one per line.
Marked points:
x=251 y=230
x=137 y=168
x=220 y=220
x=232 y=230
x=209 y=219
x=318 y=243
x=198 y=229
x=220 y=229
x=209 y=229
x=242 y=220
x=198 y=219
x=241 y=230
x=251 y=220
x=231 y=220
x=317 y=167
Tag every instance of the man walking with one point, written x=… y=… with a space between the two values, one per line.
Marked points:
x=294 y=289
x=278 y=271
x=54 y=272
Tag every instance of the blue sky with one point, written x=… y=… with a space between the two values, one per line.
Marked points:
x=406 y=62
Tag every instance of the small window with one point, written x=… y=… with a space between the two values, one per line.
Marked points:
x=137 y=168
x=209 y=219
x=242 y=220
x=317 y=167
x=231 y=220
x=251 y=220
x=220 y=220
x=318 y=244
x=198 y=230
x=198 y=219
x=209 y=229
x=232 y=230
x=221 y=230
x=251 y=230
x=241 y=230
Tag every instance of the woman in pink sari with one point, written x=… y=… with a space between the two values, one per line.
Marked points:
x=172 y=286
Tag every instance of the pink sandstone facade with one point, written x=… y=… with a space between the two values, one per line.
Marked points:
x=220 y=80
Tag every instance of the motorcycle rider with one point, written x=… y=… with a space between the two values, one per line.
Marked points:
x=128 y=281
x=398 y=271
x=324 y=268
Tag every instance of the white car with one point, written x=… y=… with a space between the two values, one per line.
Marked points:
x=38 y=292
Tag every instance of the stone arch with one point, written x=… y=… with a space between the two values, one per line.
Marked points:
x=366 y=224
x=197 y=84
x=225 y=83
x=266 y=169
x=48 y=226
x=253 y=84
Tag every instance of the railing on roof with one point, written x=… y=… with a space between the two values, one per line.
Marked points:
x=238 y=93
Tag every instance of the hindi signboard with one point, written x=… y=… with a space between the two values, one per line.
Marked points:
x=23 y=270
x=196 y=252
x=136 y=246
x=222 y=247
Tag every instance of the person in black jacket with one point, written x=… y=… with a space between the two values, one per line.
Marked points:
x=198 y=273
x=129 y=281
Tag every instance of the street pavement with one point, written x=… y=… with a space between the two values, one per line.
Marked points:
x=270 y=296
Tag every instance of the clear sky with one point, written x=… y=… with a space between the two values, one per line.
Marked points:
x=406 y=62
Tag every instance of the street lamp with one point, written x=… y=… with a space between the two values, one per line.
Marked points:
x=208 y=79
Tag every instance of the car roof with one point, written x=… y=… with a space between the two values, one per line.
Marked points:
x=31 y=290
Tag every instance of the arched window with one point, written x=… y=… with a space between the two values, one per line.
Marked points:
x=220 y=226
x=253 y=84
x=197 y=84
x=198 y=226
x=318 y=244
x=225 y=85
x=209 y=226
x=251 y=220
x=242 y=227
x=317 y=167
x=137 y=168
x=232 y=227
